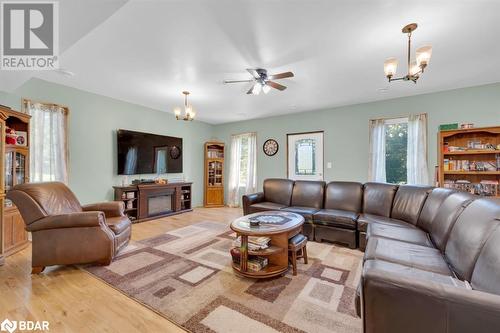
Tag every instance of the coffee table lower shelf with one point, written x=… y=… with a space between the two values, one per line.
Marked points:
x=271 y=270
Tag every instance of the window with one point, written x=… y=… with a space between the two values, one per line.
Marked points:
x=398 y=150
x=242 y=168
x=396 y=142
x=305 y=150
x=48 y=142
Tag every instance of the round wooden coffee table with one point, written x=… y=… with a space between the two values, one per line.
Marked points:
x=280 y=227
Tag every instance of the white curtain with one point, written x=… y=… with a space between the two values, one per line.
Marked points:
x=416 y=162
x=48 y=142
x=251 y=181
x=376 y=163
x=238 y=184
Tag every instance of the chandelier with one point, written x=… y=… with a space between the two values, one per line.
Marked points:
x=189 y=113
x=415 y=67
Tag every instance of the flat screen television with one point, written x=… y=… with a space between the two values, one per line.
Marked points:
x=144 y=153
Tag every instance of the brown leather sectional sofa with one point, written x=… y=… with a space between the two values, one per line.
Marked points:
x=432 y=255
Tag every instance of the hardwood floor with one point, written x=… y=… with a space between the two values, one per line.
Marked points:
x=74 y=301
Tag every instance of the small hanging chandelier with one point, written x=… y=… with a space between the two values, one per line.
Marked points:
x=415 y=67
x=189 y=113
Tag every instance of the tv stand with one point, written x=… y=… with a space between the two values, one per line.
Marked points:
x=145 y=202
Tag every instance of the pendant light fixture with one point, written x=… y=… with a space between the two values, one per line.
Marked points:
x=189 y=113
x=415 y=67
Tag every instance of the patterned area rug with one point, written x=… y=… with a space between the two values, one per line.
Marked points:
x=186 y=276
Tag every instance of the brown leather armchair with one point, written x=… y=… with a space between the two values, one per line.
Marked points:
x=63 y=231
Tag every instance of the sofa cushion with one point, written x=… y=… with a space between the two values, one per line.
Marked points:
x=278 y=191
x=118 y=224
x=448 y=214
x=306 y=212
x=365 y=219
x=431 y=207
x=470 y=233
x=308 y=194
x=264 y=206
x=407 y=254
x=346 y=196
x=414 y=273
x=336 y=218
x=378 y=198
x=408 y=202
x=486 y=274
x=414 y=236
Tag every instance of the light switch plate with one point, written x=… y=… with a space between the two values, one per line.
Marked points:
x=329 y=165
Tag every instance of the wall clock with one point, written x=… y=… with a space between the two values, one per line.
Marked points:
x=175 y=152
x=270 y=147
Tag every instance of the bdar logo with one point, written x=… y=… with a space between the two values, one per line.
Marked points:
x=9 y=326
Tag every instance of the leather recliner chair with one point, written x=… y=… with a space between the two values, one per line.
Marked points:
x=63 y=231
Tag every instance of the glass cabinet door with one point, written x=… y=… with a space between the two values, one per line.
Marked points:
x=20 y=168
x=9 y=170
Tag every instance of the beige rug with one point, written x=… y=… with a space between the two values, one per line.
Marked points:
x=186 y=276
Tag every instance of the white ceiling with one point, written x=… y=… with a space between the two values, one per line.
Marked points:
x=148 y=52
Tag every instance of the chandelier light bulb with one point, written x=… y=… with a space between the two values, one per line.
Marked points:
x=177 y=111
x=390 y=67
x=424 y=54
x=414 y=68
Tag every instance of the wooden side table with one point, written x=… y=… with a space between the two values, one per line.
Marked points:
x=279 y=226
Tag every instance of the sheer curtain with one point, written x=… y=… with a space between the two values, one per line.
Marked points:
x=376 y=163
x=48 y=142
x=239 y=183
x=416 y=162
x=251 y=181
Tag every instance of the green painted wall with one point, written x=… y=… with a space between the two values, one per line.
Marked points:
x=346 y=128
x=93 y=122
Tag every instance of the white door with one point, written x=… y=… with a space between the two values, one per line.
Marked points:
x=305 y=156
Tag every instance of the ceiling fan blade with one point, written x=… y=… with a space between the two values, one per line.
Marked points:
x=276 y=85
x=250 y=91
x=237 y=81
x=281 y=76
x=253 y=72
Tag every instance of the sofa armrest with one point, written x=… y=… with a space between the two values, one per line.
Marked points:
x=398 y=303
x=250 y=199
x=109 y=208
x=72 y=220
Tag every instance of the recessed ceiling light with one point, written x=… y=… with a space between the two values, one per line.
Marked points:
x=383 y=90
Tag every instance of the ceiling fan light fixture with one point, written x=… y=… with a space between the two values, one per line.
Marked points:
x=257 y=87
x=265 y=88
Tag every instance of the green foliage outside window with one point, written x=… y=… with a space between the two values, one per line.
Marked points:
x=396 y=139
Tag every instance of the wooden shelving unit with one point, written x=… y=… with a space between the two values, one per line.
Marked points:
x=214 y=174
x=461 y=161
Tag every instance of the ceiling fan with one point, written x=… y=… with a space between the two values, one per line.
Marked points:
x=262 y=81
